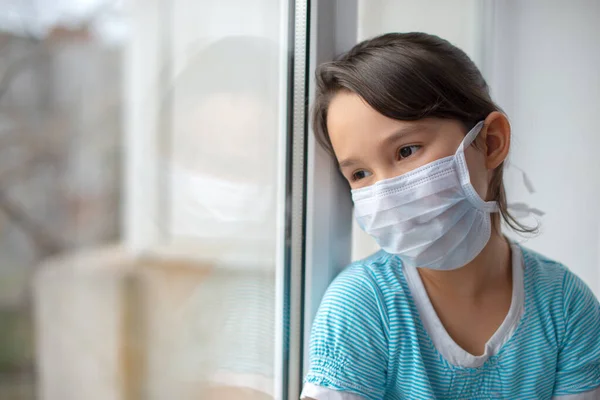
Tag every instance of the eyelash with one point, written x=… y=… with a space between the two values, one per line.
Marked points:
x=416 y=146
x=398 y=157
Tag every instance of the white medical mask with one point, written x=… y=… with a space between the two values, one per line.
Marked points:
x=431 y=217
x=207 y=206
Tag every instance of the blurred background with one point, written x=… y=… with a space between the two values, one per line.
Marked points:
x=146 y=200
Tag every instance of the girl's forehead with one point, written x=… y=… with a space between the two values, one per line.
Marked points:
x=352 y=121
x=350 y=118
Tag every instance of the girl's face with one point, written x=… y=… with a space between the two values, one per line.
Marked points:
x=371 y=147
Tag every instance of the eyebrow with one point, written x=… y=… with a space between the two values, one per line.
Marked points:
x=395 y=135
x=404 y=131
x=348 y=162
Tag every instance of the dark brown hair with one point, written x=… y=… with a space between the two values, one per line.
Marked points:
x=409 y=76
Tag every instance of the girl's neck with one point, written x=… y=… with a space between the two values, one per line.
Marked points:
x=491 y=268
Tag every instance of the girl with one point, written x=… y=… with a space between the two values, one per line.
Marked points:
x=449 y=308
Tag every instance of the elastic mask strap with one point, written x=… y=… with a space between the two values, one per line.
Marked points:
x=470 y=137
x=464 y=176
x=522 y=209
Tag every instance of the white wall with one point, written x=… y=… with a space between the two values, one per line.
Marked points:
x=545 y=74
x=454 y=20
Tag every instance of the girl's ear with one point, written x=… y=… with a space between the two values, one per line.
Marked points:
x=496 y=132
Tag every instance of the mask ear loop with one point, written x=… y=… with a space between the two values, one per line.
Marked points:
x=520 y=208
x=465 y=177
x=470 y=137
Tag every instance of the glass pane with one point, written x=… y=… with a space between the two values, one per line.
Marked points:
x=190 y=97
x=60 y=133
x=222 y=185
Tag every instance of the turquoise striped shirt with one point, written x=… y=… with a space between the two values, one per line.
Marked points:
x=367 y=339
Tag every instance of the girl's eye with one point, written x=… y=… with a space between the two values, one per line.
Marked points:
x=361 y=174
x=407 y=151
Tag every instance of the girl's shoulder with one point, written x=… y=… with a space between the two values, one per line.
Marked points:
x=554 y=285
x=381 y=271
x=566 y=309
x=533 y=259
x=376 y=281
x=542 y=270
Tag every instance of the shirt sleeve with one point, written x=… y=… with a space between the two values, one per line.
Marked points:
x=578 y=369
x=348 y=346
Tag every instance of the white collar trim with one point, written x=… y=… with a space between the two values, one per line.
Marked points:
x=444 y=344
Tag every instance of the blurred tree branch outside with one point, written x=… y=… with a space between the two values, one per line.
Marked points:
x=60 y=130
